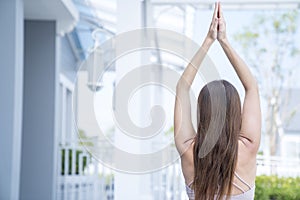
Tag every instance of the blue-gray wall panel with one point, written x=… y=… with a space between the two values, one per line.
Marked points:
x=11 y=86
x=39 y=145
x=67 y=62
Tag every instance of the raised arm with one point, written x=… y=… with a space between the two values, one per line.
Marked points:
x=183 y=128
x=251 y=113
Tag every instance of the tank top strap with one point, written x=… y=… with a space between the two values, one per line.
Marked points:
x=242 y=180
x=189 y=184
x=238 y=187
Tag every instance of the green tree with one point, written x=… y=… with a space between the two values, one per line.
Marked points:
x=269 y=47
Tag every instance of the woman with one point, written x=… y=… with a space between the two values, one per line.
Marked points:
x=219 y=159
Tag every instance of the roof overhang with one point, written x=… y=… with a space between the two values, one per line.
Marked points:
x=63 y=12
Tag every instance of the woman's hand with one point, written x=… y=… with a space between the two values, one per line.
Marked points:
x=221 y=36
x=217 y=29
x=213 y=29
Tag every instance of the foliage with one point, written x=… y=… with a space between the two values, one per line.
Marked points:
x=277 y=188
x=170 y=131
x=271 y=51
x=83 y=139
x=108 y=178
x=170 y=135
x=69 y=170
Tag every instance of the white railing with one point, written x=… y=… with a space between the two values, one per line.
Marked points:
x=171 y=183
x=280 y=166
x=82 y=177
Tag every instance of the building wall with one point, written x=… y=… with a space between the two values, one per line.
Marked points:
x=67 y=61
x=40 y=100
x=290 y=145
x=11 y=90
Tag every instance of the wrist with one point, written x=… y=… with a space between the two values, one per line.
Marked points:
x=223 y=42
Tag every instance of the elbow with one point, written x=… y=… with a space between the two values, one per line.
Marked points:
x=182 y=85
x=253 y=86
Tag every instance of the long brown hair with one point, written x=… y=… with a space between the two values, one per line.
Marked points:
x=216 y=143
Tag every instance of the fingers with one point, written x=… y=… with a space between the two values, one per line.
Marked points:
x=216 y=11
x=220 y=11
x=218 y=15
x=221 y=20
x=215 y=24
x=221 y=24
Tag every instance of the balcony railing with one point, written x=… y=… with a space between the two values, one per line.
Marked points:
x=82 y=177
x=280 y=166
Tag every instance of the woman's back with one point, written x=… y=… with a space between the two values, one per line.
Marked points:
x=244 y=179
x=220 y=156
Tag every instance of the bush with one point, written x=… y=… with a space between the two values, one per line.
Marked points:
x=277 y=188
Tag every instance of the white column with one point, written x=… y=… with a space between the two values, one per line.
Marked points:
x=129 y=186
x=11 y=86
